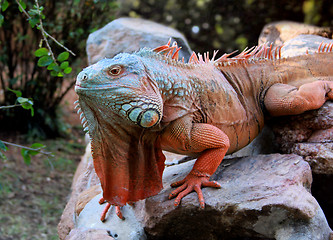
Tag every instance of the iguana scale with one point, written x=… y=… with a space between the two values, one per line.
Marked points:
x=135 y=105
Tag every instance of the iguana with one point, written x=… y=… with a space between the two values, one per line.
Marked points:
x=135 y=105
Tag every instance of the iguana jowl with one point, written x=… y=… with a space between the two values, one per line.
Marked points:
x=135 y=105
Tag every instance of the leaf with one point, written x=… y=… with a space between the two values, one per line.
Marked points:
x=44 y=61
x=64 y=65
x=26 y=156
x=2 y=156
x=33 y=22
x=50 y=67
x=63 y=56
x=41 y=52
x=37 y=146
x=54 y=73
x=3 y=147
x=68 y=70
x=24 y=6
x=2 y=19
x=4 y=5
x=17 y=92
x=25 y=102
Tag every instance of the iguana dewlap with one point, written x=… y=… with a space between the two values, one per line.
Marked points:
x=135 y=105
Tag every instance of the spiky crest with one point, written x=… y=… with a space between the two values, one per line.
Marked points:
x=327 y=47
x=253 y=54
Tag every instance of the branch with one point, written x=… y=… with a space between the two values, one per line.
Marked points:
x=28 y=148
x=44 y=33
x=9 y=106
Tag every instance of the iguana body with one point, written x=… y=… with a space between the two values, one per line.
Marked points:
x=137 y=104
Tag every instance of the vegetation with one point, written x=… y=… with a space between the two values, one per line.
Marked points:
x=26 y=46
x=227 y=25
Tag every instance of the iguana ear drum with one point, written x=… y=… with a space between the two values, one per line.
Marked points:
x=144 y=118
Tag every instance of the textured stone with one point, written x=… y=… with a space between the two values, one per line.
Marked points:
x=266 y=196
x=128 y=229
x=303 y=44
x=308 y=135
x=129 y=35
x=89 y=234
x=84 y=178
x=280 y=32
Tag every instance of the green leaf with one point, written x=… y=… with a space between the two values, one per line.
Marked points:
x=4 y=5
x=56 y=68
x=33 y=22
x=41 y=52
x=32 y=111
x=37 y=145
x=63 y=56
x=51 y=66
x=60 y=74
x=2 y=156
x=68 y=70
x=2 y=19
x=3 y=147
x=64 y=65
x=26 y=156
x=54 y=73
x=44 y=61
x=24 y=6
x=17 y=92
x=25 y=102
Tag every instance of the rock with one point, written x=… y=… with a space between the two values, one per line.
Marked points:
x=280 y=32
x=128 y=229
x=303 y=44
x=84 y=178
x=266 y=196
x=308 y=135
x=89 y=234
x=129 y=35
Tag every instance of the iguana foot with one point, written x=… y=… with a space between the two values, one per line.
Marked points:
x=106 y=209
x=189 y=184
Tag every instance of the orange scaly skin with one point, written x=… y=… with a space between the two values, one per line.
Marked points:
x=135 y=105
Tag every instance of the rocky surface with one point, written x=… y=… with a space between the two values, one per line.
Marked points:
x=280 y=32
x=309 y=135
x=303 y=44
x=129 y=35
x=84 y=181
x=264 y=196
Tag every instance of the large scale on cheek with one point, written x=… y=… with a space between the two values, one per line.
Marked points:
x=149 y=118
x=144 y=118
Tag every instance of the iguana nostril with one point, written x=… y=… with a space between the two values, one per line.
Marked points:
x=81 y=77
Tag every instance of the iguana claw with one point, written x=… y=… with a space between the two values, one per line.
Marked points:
x=189 y=184
x=106 y=209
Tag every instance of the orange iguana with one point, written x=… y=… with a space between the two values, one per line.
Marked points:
x=135 y=105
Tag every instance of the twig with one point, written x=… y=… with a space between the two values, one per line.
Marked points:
x=28 y=148
x=44 y=33
x=10 y=106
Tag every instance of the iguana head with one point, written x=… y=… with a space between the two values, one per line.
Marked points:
x=122 y=86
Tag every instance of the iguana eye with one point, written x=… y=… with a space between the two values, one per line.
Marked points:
x=115 y=71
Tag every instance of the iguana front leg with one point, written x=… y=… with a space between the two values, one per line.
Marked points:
x=284 y=99
x=206 y=139
x=106 y=209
